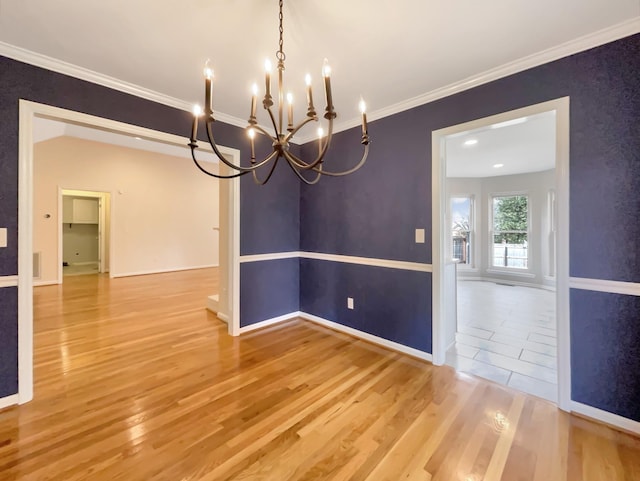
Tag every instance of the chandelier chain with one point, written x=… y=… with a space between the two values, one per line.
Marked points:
x=280 y=53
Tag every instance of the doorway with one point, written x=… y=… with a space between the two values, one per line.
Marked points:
x=84 y=232
x=229 y=224
x=479 y=262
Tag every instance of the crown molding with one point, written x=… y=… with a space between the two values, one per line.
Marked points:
x=592 y=40
x=65 y=68
x=595 y=39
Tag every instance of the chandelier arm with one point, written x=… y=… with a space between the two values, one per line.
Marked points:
x=273 y=168
x=264 y=132
x=297 y=128
x=306 y=165
x=223 y=158
x=273 y=122
x=211 y=174
x=301 y=177
x=346 y=172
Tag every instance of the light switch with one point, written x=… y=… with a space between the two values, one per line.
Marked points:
x=419 y=236
x=3 y=237
x=349 y=302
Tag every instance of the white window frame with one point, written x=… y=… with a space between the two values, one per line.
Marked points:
x=473 y=252
x=510 y=270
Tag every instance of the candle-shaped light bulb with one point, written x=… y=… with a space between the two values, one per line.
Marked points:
x=326 y=68
x=197 y=112
x=311 y=110
x=363 y=111
x=208 y=88
x=267 y=69
x=320 y=135
x=252 y=136
x=326 y=73
x=254 y=100
x=290 y=109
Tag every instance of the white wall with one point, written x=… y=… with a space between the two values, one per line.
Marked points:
x=163 y=210
x=537 y=186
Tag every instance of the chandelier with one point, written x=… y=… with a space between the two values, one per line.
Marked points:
x=282 y=134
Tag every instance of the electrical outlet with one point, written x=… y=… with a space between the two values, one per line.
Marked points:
x=349 y=302
x=419 y=236
x=3 y=237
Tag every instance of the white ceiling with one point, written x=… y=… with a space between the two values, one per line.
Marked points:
x=388 y=52
x=504 y=149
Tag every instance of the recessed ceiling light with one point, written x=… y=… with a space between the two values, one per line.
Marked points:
x=509 y=123
x=497 y=166
x=470 y=142
x=138 y=138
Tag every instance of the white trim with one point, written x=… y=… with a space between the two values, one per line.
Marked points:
x=223 y=317
x=269 y=322
x=595 y=39
x=8 y=281
x=269 y=257
x=586 y=42
x=213 y=303
x=611 y=287
x=27 y=111
x=65 y=68
x=368 y=261
x=46 y=283
x=7 y=401
x=439 y=214
x=365 y=261
x=505 y=281
x=512 y=271
x=365 y=336
x=161 y=271
x=563 y=313
x=606 y=417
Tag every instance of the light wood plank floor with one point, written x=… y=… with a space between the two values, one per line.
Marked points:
x=136 y=381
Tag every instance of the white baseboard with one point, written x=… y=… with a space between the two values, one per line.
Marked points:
x=394 y=346
x=606 y=417
x=160 y=271
x=507 y=281
x=269 y=322
x=213 y=303
x=12 y=400
x=223 y=317
x=46 y=283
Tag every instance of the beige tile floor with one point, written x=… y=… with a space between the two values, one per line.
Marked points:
x=507 y=334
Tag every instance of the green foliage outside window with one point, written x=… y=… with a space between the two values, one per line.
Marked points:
x=510 y=219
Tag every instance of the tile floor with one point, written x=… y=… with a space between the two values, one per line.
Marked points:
x=507 y=334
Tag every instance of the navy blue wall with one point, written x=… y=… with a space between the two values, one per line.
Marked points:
x=277 y=206
x=259 y=299
x=389 y=303
x=374 y=212
x=605 y=350
x=8 y=341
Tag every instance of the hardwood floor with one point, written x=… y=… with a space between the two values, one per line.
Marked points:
x=135 y=380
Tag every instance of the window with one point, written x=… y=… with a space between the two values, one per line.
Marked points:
x=510 y=231
x=462 y=229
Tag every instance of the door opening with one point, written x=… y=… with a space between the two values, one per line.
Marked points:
x=84 y=232
x=500 y=249
x=228 y=259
